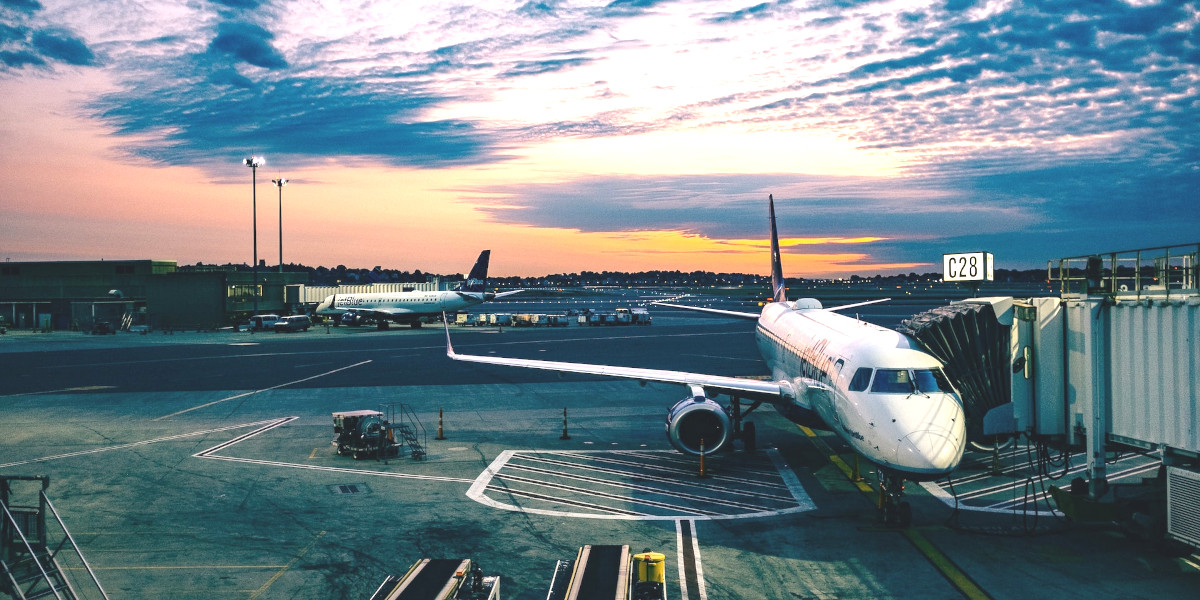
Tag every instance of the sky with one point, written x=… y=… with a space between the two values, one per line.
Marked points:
x=620 y=135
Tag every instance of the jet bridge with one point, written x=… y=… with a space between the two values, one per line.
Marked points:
x=609 y=572
x=1111 y=364
x=440 y=579
x=971 y=338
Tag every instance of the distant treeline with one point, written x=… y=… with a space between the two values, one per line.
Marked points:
x=344 y=275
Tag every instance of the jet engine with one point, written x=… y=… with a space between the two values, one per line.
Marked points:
x=698 y=418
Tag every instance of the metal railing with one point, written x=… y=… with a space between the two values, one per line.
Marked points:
x=37 y=564
x=1148 y=273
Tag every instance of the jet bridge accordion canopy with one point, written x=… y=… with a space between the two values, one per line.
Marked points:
x=974 y=347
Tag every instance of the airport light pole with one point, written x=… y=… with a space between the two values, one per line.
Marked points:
x=279 y=183
x=254 y=162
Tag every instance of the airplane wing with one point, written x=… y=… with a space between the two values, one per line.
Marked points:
x=508 y=293
x=745 y=315
x=856 y=304
x=715 y=311
x=750 y=389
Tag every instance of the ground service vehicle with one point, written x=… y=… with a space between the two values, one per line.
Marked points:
x=364 y=434
x=293 y=323
x=260 y=322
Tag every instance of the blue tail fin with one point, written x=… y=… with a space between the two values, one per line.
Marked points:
x=778 y=285
x=477 y=279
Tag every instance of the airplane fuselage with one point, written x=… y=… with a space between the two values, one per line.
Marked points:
x=399 y=305
x=873 y=387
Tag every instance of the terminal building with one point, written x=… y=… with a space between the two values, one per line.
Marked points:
x=75 y=295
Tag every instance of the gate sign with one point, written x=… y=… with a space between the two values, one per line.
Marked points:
x=968 y=266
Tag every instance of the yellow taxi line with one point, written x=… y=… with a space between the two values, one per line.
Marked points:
x=937 y=558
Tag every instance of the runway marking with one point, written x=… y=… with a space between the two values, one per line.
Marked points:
x=136 y=444
x=691 y=573
x=640 y=472
x=243 y=395
x=945 y=566
x=836 y=460
x=641 y=488
x=956 y=576
x=83 y=388
x=598 y=494
x=703 y=500
x=211 y=453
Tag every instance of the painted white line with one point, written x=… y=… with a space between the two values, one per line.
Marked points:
x=791 y=481
x=680 y=542
x=210 y=453
x=141 y=443
x=86 y=388
x=243 y=395
x=699 y=565
x=271 y=463
x=679 y=560
x=481 y=484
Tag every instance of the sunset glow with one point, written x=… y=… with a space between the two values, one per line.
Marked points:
x=570 y=136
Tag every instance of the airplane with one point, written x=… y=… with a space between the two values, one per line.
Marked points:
x=876 y=389
x=415 y=306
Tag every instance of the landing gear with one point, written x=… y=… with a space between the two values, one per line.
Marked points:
x=893 y=511
x=744 y=432
x=749 y=441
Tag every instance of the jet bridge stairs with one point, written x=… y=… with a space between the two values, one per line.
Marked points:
x=38 y=556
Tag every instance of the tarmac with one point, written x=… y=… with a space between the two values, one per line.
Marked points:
x=200 y=465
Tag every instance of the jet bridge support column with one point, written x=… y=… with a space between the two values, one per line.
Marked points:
x=1087 y=382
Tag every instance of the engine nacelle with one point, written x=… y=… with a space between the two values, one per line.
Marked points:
x=697 y=418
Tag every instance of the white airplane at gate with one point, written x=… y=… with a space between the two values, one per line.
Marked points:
x=415 y=306
x=874 y=388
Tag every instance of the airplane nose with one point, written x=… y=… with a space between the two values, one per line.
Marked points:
x=933 y=451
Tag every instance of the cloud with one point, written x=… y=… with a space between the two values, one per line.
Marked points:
x=28 y=6
x=229 y=114
x=62 y=46
x=240 y=4
x=1010 y=122
x=22 y=44
x=247 y=42
x=20 y=58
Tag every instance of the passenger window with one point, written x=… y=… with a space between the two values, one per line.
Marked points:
x=892 y=381
x=862 y=378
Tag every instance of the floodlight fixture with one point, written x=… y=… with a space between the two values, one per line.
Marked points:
x=254 y=162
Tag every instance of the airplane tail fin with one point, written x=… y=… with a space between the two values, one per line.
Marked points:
x=477 y=279
x=778 y=285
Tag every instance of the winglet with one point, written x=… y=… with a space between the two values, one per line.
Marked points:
x=778 y=284
x=449 y=346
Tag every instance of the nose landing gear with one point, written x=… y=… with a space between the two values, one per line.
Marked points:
x=893 y=510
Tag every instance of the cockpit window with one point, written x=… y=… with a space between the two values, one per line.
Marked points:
x=931 y=380
x=862 y=378
x=910 y=381
x=893 y=381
